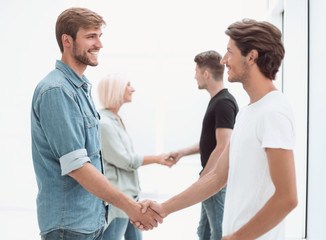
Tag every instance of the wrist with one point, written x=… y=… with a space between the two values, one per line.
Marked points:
x=165 y=210
x=157 y=159
x=235 y=236
x=180 y=153
x=130 y=207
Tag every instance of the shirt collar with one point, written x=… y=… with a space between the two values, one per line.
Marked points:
x=109 y=114
x=71 y=74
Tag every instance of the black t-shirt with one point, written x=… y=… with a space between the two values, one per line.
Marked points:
x=221 y=112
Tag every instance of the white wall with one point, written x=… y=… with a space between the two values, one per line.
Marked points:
x=28 y=53
x=296 y=89
x=317 y=122
x=292 y=17
x=304 y=83
x=154 y=42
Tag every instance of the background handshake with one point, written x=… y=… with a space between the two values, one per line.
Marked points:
x=169 y=159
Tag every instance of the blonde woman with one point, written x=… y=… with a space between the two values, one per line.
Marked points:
x=120 y=160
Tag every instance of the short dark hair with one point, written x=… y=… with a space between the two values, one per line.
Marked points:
x=70 y=20
x=262 y=36
x=211 y=60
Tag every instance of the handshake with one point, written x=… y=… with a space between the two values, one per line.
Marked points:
x=161 y=210
x=153 y=213
x=150 y=213
x=168 y=159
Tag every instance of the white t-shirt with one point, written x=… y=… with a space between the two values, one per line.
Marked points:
x=267 y=123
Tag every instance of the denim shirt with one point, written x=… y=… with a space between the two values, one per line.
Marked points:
x=65 y=135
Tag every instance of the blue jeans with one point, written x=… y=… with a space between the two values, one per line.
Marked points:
x=64 y=234
x=210 y=224
x=121 y=227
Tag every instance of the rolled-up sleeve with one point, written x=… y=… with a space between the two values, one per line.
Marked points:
x=63 y=126
x=73 y=161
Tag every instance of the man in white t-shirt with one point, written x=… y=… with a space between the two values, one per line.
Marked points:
x=258 y=164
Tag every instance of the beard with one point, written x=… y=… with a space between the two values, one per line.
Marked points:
x=200 y=87
x=82 y=58
x=242 y=76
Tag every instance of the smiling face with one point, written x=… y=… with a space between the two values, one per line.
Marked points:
x=129 y=90
x=87 y=46
x=238 y=69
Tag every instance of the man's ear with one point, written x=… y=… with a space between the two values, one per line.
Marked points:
x=206 y=73
x=66 y=40
x=252 y=56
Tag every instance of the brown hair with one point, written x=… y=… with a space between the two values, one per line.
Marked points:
x=70 y=20
x=211 y=60
x=263 y=37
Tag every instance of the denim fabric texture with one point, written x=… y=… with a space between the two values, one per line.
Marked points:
x=64 y=234
x=210 y=224
x=65 y=135
x=121 y=227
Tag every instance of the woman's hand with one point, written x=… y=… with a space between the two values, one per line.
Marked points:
x=165 y=159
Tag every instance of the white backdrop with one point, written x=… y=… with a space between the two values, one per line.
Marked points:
x=153 y=41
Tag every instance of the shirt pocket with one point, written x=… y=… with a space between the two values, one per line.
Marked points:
x=92 y=135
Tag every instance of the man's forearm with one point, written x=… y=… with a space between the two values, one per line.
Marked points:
x=97 y=184
x=284 y=199
x=212 y=160
x=274 y=211
x=197 y=192
x=223 y=136
x=205 y=187
x=193 y=149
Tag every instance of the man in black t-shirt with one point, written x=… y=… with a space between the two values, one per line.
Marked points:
x=216 y=131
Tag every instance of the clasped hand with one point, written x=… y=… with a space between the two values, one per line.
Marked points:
x=150 y=207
